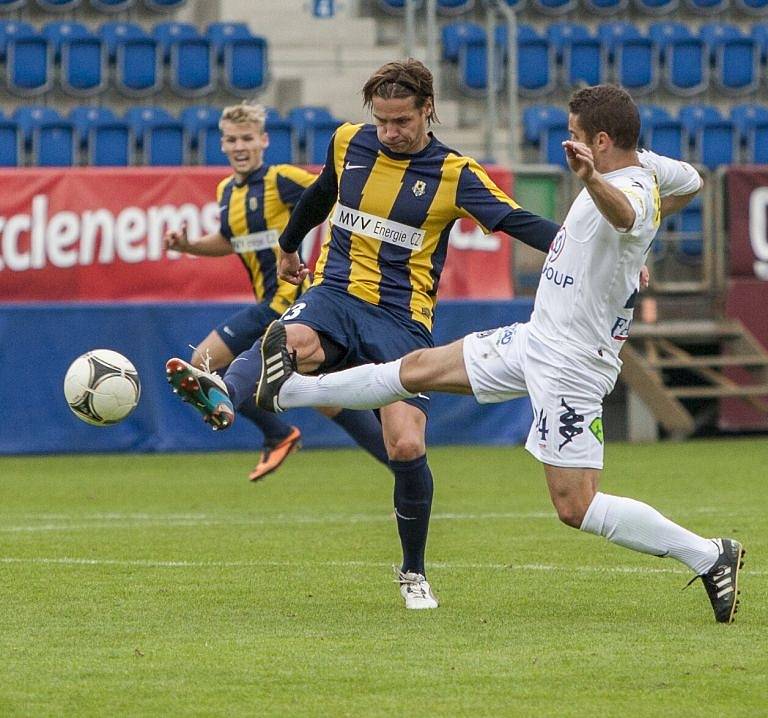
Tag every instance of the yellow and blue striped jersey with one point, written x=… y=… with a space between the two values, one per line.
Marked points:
x=388 y=238
x=253 y=214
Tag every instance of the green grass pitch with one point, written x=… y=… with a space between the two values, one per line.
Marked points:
x=165 y=585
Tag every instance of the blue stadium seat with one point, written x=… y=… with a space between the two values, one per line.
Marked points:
x=83 y=117
x=560 y=34
x=554 y=7
x=191 y=67
x=58 y=5
x=170 y=32
x=244 y=70
x=164 y=5
x=395 y=7
x=62 y=31
x=745 y=117
x=710 y=7
x=584 y=61
x=318 y=136
x=757 y=144
x=159 y=134
x=752 y=7
x=691 y=226
x=657 y=7
x=220 y=33
x=454 y=7
x=110 y=144
x=636 y=64
x=538 y=117
x=29 y=65
x=54 y=144
x=613 y=33
x=197 y=118
x=11 y=29
x=605 y=7
x=31 y=116
x=81 y=56
x=715 y=140
x=535 y=55
x=457 y=33
x=113 y=6
x=10 y=5
x=551 y=143
x=281 y=145
x=685 y=62
x=135 y=56
x=759 y=33
x=305 y=116
x=11 y=145
x=667 y=137
x=735 y=57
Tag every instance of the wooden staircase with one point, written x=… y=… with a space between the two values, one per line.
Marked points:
x=660 y=353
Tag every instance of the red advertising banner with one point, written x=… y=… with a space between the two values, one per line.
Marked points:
x=747 y=192
x=96 y=234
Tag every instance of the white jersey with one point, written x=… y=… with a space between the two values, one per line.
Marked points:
x=590 y=279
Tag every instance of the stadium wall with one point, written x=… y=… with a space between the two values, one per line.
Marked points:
x=38 y=341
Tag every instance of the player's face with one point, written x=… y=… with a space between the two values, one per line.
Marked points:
x=243 y=143
x=400 y=125
x=598 y=143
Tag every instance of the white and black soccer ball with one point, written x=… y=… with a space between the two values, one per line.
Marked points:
x=102 y=387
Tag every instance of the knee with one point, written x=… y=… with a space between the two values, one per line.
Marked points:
x=569 y=510
x=405 y=448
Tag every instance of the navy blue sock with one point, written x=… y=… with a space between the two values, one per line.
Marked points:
x=365 y=429
x=413 y=503
x=243 y=375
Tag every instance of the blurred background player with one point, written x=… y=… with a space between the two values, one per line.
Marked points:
x=397 y=192
x=566 y=358
x=255 y=203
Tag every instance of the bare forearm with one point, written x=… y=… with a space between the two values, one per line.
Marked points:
x=209 y=245
x=611 y=202
x=674 y=203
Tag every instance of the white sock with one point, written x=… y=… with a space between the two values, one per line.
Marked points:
x=636 y=525
x=363 y=387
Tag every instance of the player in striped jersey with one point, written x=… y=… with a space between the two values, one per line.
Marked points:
x=397 y=191
x=255 y=203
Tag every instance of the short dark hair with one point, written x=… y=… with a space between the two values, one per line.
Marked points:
x=609 y=109
x=406 y=78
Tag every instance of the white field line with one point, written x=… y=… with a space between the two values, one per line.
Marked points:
x=456 y=566
x=64 y=522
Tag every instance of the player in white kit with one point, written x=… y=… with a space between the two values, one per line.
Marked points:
x=566 y=358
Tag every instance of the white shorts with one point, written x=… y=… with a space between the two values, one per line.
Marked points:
x=566 y=395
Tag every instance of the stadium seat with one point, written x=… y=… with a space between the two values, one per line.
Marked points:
x=759 y=33
x=605 y=7
x=54 y=144
x=191 y=67
x=281 y=144
x=303 y=117
x=135 y=56
x=752 y=7
x=209 y=147
x=244 y=69
x=395 y=7
x=735 y=57
x=83 y=117
x=715 y=140
x=636 y=65
x=318 y=137
x=534 y=54
x=656 y=7
x=109 y=143
x=473 y=58
x=757 y=144
x=81 y=56
x=32 y=115
x=661 y=133
x=164 y=5
x=745 y=117
x=62 y=31
x=159 y=134
x=220 y=33
x=455 y=34
x=58 y=5
x=584 y=62
x=11 y=29
x=691 y=243
x=554 y=7
x=538 y=117
x=113 y=6
x=551 y=143
x=197 y=118
x=166 y=34
x=29 y=65
x=684 y=58
x=11 y=145
x=612 y=33
x=10 y=5
x=710 y=7
x=454 y=7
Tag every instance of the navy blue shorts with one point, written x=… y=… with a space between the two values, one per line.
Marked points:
x=240 y=331
x=366 y=333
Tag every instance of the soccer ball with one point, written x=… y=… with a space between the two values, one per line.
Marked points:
x=102 y=387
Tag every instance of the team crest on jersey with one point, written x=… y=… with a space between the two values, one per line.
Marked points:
x=419 y=188
x=253 y=204
x=556 y=248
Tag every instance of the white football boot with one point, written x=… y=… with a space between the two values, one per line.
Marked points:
x=416 y=591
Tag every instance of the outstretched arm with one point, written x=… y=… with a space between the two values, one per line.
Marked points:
x=209 y=245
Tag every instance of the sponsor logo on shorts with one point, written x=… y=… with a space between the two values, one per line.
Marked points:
x=596 y=427
x=506 y=334
x=569 y=424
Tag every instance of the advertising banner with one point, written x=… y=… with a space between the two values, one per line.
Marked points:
x=747 y=192
x=96 y=235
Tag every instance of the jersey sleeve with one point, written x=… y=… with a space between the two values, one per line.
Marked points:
x=291 y=183
x=478 y=197
x=675 y=177
x=641 y=197
x=224 y=229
